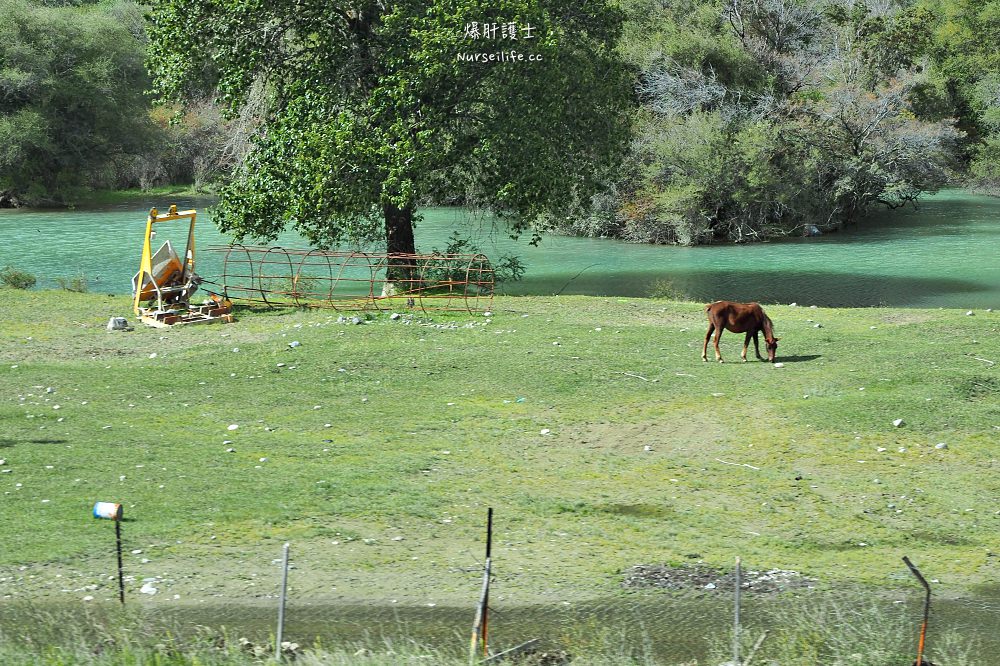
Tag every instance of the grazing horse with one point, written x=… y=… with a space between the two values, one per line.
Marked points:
x=746 y=318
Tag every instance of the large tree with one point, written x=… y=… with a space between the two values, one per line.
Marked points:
x=368 y=108
x=72 y=109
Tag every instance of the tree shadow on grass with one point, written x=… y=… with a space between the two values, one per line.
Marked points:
x=7 y=443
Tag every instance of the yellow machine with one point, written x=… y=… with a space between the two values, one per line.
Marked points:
x=166 y=282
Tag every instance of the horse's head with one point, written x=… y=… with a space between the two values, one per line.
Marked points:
x=772 y=348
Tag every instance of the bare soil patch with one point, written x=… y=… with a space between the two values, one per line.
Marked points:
x=700 y=578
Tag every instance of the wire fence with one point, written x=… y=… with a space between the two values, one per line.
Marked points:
x=278 y=276
x=656 y=614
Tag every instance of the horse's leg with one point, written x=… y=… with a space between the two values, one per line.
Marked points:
x=718 y=334
x=756 y=346
x=704 y=348
x=746 y=343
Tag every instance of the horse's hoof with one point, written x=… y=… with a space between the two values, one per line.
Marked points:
x=744 y=360
x=721 y=361
x=704 y=358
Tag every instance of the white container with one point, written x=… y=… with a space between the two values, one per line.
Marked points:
x=108 y=510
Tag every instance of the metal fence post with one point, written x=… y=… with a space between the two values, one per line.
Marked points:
x=927 y=610
x=281 y=603
x=736 y=614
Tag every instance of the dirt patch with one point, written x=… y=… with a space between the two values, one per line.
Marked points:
x=906 y=318
x=680 y=429
x=701 y=578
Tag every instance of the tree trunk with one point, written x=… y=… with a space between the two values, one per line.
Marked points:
x=399 y=240
x=8 y=200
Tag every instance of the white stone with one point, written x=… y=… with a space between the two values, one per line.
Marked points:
x=779 y=365
x=148 y=588
x=544 y=431
x=940 y=445
x=153 y=355
x=898 y=422
x=233 y=426
x=294 y=343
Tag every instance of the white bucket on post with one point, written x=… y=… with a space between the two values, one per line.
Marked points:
x=108 y=510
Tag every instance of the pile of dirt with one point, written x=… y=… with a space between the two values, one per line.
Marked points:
x=702 y=578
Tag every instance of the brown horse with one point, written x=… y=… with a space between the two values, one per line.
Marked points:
x=746 y=318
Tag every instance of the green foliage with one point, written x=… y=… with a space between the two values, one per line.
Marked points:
x=76 y=284
x=71 y=101
x=506 y=267
x=410 y=120
x=765 y=118
x=17 y=279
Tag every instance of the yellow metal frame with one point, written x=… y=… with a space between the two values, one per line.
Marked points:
x=146 y=265
x=172 y=299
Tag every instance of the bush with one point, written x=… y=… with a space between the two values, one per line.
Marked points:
x=507 y=267
x=76 y=284
x=16 y=279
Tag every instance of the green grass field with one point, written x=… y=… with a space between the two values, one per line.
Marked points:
x=591 y=425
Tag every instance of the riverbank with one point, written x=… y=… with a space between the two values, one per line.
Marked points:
x=591 y=425
x=94 y=198
x=903 y=258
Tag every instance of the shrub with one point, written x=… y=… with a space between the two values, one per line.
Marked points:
x=17 y=279
x=76 y=284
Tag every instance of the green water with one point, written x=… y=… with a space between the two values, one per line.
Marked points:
x=944 y=254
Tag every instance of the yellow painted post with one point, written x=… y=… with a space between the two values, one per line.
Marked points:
x=146 y=263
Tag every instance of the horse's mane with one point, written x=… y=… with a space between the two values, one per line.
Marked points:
x=768 y=328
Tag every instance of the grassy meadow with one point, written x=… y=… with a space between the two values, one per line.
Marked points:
x=591 y=425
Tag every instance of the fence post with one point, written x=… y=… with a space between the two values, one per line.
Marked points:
x=480 y=625
x=927 y=610
x=281 y=603
x=113 y=511
x=736 y=613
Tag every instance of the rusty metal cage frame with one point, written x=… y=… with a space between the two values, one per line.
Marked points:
x=351 y=280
